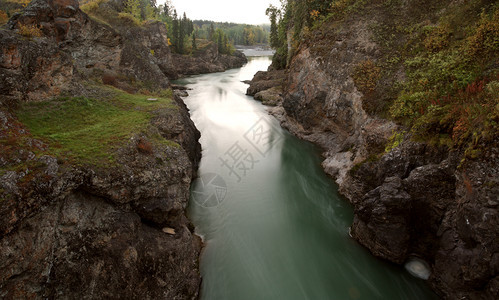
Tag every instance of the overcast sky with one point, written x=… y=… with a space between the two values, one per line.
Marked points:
x=237 y=11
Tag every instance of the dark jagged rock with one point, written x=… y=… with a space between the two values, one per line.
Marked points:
x=381 y=220
x=423 y=188
x=84 y=247
x=467 y=257
x=450 y=218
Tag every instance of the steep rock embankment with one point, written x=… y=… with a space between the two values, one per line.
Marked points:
x=101 y=231
x=67 y=46
x=321 y=103
x=73 y=229
x=62 y=45
x=415 y=199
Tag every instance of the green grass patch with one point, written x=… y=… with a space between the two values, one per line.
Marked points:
x=88 y=131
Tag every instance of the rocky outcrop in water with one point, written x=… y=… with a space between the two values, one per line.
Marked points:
x=207 y=60
x=267 y=87
x=413 y=200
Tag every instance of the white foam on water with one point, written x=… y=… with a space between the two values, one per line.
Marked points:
x=418 y=268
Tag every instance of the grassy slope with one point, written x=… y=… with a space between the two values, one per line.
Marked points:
x=87 y=131
x=80 y=130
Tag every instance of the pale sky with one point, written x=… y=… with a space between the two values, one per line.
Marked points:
x=237 y=11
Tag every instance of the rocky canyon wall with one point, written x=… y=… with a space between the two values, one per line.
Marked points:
x=414 y=198
x=79 y=230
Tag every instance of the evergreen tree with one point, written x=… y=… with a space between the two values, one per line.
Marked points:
x=226 y=45
x=148 y=9
x=219 y=36
x=211 y=32
x=181 y=36
x=166 y=10
x=278 y=31
x=190 y=27
x=272 y=13
x=184 y=20
x=194 y=44
x=133 y=7
x=175 y=30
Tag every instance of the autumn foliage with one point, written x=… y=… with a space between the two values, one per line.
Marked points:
x=3 y=17
x=144 y=146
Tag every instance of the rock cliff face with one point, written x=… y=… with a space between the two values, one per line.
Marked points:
x=87 y=231
x=415 y=200
x=71 y=47
x=97 y=232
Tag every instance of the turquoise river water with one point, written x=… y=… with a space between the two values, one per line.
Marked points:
x=272 y=221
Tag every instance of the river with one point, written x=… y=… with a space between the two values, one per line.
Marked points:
x=272 y=221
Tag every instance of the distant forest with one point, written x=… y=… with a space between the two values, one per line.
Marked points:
x=240 y=34
x=188 y=35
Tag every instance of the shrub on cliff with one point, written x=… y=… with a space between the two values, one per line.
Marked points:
x=3 y=17
x=485 y=39
x=29 y=31
x=129 y=19
x=122 y=12
x=450 y=83
x=91 y=5
x=366 y=75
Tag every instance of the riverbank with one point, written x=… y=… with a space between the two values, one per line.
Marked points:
x=90 y=216
x=415 y=194
x=97 y=158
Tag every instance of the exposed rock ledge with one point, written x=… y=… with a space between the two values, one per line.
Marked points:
x=72 y=47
